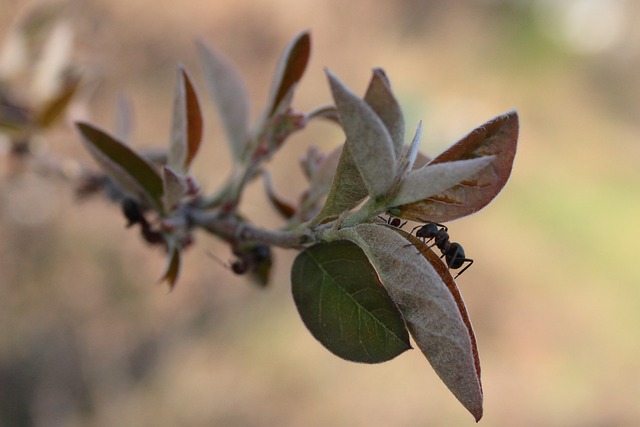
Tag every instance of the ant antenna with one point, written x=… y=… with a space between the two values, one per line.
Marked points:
x=238 y=266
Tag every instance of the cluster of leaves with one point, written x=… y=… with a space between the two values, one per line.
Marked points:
x=368 y=283
x=362 y=285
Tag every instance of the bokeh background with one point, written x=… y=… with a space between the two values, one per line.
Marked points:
x=88 y=337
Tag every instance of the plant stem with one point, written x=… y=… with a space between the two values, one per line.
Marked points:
x=233 y=229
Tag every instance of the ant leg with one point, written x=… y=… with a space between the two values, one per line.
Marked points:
x=470 y=261
x=415 y=228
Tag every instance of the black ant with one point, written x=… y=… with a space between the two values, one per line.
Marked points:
x=248 y=260
x=452 y=252
x=393 y=221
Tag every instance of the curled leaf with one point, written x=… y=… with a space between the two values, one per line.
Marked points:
x=290 y=70
x=499 y=138
x=368 y=139
x=230 y=96
x=340 y=300
x=284 y=208
x=126 y=167
x=186 y=128
x=327 y=112
x=433 y=314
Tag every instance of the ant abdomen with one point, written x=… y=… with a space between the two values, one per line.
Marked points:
x=452 y=252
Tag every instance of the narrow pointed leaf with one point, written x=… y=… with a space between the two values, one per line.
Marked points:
x=410 y=154
x=194 y=120
x=498 y=137
x=186 y=127
x=125 y=166
x=369 y=142
x=290 y=70
x=230 y=96
x=172 y=269
x=436 y=178
x=348 y=188
x=341 y=301
x=433 y=314
x=381 y=100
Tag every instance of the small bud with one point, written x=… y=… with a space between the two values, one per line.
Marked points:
x=132 y=212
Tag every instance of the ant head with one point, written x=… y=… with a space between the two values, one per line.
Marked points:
x=429 y=230
x=239 y=266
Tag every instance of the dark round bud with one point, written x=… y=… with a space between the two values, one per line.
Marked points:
x=131 y=210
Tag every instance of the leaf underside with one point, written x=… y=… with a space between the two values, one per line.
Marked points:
x=497 y=137
x=348 y=188
x=291 y=68
x=227 y=90
x=343 y=305
x=131 y=171
x=425 y=294
x=186 y=127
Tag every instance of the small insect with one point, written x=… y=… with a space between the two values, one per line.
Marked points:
x=250 y=259
x=393 y=221
x=452 y=252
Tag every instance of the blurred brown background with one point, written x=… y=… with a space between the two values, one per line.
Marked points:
x=87 y=338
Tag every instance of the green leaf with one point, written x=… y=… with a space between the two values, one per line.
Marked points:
x=499 y=138
x=368 y=139
x=432 y=308
x=229 y=93
x=125 y=166
x=186 y=128
x=342 y=303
